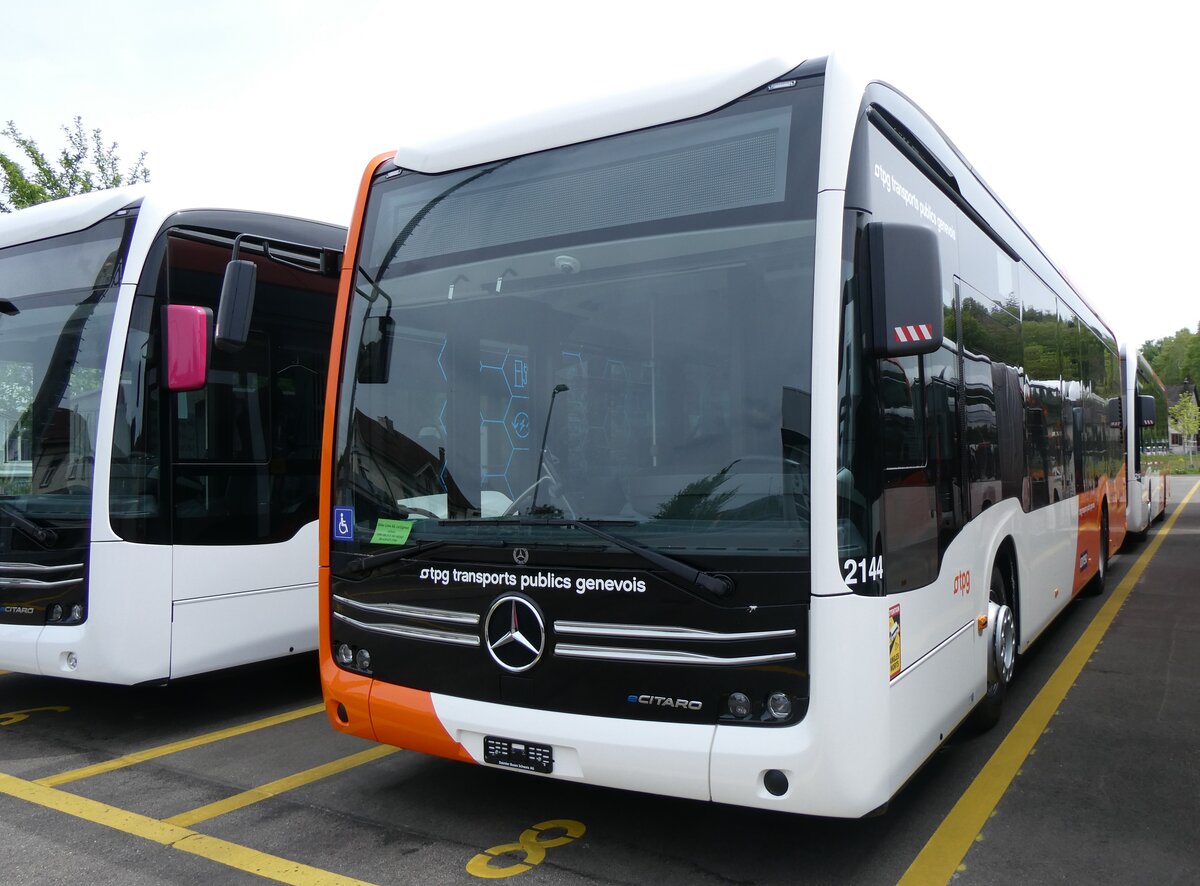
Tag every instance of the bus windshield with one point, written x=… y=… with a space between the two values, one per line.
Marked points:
x=615 y=333
x=56 y=309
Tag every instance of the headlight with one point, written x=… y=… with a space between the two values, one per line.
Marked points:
x=739 y=705
x=779 y=705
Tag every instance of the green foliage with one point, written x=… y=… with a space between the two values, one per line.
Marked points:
x=1185 y=415
x=1175 y=358
x=85 y=164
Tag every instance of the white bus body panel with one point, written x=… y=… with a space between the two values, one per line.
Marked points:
x=662 y=758
x=1046 y=564
x=127 y=635
x=235 y=605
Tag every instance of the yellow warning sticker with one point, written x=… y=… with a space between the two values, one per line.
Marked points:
x=894 y=639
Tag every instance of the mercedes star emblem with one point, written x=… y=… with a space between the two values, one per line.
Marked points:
x=520 y=556
x=515 y=633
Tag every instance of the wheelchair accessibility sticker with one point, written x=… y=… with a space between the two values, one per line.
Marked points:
x=343 y=524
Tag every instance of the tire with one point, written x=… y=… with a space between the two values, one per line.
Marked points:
x=1095 y=587
x=1002 y=649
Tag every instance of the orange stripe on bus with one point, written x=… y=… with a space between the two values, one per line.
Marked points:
x=345 y=288
x=350 y=692
x=406 y=718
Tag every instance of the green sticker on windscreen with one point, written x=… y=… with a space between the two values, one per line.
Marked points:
x=391 y=532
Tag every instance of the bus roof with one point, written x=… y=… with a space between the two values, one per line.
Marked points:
x=65 y=216
x=652 y=103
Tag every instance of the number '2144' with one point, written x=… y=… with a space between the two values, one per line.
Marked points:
x=860 y=571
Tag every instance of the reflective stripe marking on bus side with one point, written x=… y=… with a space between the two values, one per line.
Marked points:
x=175 y=747
x=223 y=852
x=940 y=858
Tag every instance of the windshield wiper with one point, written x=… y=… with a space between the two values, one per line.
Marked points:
x=371 y=562
x=45 y=537
x=714 y=583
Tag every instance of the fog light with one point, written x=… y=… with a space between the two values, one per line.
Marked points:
x=775 y=782
x=739 y=705
x=779 y=705
x=345 y=655
x=56 y=612
x=77 y=612
x=362 y=660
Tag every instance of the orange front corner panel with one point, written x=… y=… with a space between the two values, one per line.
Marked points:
x=347 y=699
x=406 y=718
x=347 y=695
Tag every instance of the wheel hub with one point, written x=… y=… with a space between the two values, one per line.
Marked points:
x=1004 y=643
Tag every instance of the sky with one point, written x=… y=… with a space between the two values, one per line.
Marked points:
x=1076 y=114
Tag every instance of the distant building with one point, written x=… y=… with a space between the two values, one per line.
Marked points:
x=1174 y=393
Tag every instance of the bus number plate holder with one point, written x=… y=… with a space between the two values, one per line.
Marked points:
x=518 y=754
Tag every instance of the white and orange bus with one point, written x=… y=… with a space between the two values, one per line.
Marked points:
x=726 y=443
x=158 y=475
x=1147 y=439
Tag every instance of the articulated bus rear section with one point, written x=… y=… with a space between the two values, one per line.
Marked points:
x=729 y=446
x=158 y=496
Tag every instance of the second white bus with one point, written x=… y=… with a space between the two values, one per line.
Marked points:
x=158 y=490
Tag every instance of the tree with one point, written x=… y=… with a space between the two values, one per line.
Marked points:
x=1185 y=415
x=1176 y=358
x=84 y=164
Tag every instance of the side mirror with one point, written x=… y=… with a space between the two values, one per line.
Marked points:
x=1146 y=411
x=236 y=306
x=375 y=352
x=906 y=289
x=187 y=346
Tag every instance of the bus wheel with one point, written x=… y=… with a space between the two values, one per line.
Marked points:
x=1002 y=651
x=1095 y=587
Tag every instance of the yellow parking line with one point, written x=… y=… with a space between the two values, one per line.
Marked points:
x=175 y=747
x=940 y=858
x=255 y=795
x=223 y=852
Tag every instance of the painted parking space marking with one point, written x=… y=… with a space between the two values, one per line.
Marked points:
x=942 y=856
x=532 y=844
x=11 y=717
x=172 y=836
x=279 y=786
x=176 y=747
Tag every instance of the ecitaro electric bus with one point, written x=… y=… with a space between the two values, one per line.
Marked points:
x=158 y=474
x=728 y=443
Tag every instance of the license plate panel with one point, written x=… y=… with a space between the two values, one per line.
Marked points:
x=517 y=754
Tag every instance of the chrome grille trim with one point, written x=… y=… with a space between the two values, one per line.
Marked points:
x=420 y=612
x=37 y=568
x=33 y=584
x=412 y=633
x=664 y=656
x=663 y=632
